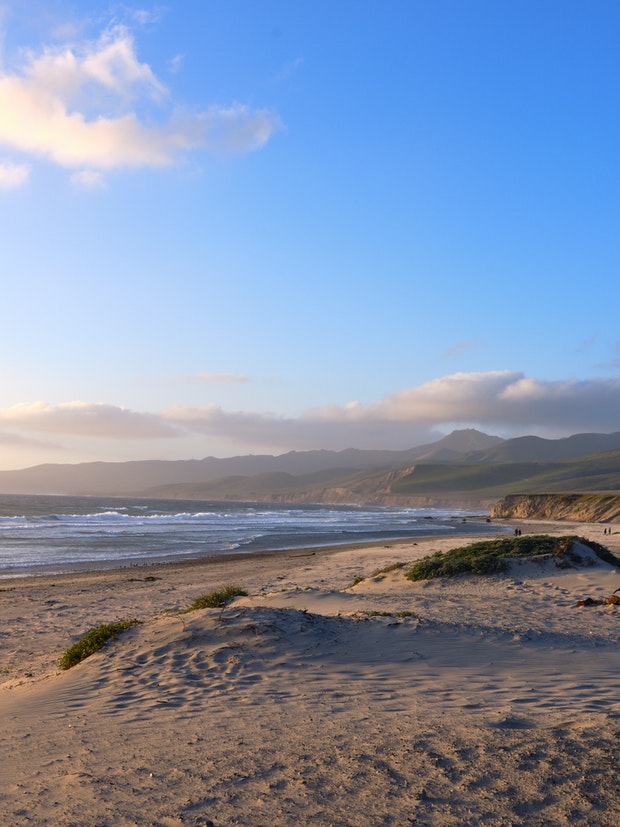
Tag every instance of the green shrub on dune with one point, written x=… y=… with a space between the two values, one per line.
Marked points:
x=93 y=641
x=491 y=556
x=217 y=598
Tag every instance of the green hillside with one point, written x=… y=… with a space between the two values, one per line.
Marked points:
x=599 y=472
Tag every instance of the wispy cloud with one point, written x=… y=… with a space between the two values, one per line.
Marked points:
x=92 y=419
x=289 y=69
x=174 y=64
x=459 y=347
x=586 y=344
x=88 y=179
x=13 y=176
x=220 y=378
x=144 y=17
x=95 y=106
x=10 y=440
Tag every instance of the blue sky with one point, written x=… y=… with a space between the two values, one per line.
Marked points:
x=238 y=226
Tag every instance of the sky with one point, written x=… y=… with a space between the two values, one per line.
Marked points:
x=232 y=227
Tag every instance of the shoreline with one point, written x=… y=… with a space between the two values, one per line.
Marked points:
x=130 y=564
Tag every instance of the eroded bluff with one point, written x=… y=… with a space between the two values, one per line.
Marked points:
x=586 y=508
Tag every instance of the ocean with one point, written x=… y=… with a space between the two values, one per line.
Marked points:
x=50 y=535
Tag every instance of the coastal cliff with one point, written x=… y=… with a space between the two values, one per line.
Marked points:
x=591 y=508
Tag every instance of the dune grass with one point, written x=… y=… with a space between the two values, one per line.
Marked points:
x=491 y=556
x=388 y=569
x=402 y=614
x=377 y=573
x=94 y=640
x=217 y=598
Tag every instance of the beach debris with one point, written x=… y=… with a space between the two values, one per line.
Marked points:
x=84 y=774
x=149 y=579
x=612 y=600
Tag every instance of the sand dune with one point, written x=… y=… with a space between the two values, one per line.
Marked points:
x=490 y=701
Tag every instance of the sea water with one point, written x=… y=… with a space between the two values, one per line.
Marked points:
x=45 y=534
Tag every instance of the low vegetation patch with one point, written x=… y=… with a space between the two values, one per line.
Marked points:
x=378 y=573
x=388 y=569
x=491 y=556
x=217 y=598
x=376 y=613
x=93 y=641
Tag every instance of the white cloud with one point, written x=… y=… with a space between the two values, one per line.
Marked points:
x=70 y=75
x=507 y=399
x=13 y=176
x=81 y=106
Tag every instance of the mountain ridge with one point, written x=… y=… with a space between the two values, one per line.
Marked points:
x=464 y=466
x=133 y=477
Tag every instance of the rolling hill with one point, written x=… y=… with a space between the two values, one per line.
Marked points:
x=537 y=449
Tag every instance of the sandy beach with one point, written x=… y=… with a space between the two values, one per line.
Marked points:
x=470 y=701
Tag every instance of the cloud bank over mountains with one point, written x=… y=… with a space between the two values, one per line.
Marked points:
x=504 y=402
x=93 y=106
